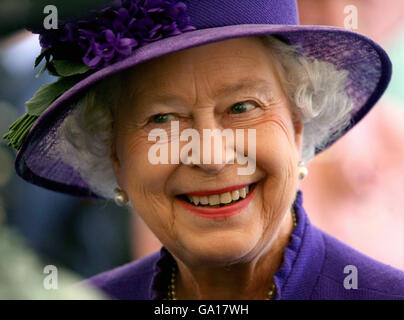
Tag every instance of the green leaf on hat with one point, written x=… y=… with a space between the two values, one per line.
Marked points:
x=44 y=53
x=42 y=99
x=44 y=67
x=66 y=68
x=19 y=129
x=47 y=94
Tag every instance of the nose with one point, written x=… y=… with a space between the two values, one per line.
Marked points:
x=216 y=144
x=211 y=168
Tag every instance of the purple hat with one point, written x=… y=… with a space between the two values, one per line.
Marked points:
x=130 y=32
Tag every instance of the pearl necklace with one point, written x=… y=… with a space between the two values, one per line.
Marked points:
x=171 y=287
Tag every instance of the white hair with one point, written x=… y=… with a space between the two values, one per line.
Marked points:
x=315 y=89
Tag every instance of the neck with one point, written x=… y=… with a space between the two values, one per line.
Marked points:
x=252 y=279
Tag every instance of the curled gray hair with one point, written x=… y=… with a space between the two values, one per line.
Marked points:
x=315 y=89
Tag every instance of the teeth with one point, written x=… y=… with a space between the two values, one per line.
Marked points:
x=204 y=200
x=195 y=199
x=214 y=199
x=235 y=194
x=223 y=198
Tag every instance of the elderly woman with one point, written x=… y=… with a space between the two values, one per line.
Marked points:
x=155 y=69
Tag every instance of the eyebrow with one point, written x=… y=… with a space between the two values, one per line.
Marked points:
x=245 y=84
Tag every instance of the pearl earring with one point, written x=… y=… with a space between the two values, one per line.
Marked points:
x=121 y=198
x=303 y=171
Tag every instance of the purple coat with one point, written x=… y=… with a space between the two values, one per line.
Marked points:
x=313 y=268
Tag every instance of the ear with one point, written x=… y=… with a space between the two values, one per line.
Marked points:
x=299 y=129
x=116 y=164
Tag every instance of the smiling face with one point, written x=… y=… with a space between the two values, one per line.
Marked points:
x=231 y=84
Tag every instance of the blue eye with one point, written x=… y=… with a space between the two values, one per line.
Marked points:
x=162 y=118
x=242 y=107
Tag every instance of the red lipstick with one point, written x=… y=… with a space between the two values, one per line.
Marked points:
x=221 y=212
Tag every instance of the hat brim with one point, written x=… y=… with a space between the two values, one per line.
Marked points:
x=369 y=74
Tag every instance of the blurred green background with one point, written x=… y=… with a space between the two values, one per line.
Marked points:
x=83 y=236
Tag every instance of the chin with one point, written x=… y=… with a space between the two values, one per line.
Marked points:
x=221 y=247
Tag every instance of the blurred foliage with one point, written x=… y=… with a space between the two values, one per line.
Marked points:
x=22 y=274
x=8 y=114
x=63 y=230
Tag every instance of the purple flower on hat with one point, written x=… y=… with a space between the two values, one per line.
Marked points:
x=102 y=54
x=114 y=32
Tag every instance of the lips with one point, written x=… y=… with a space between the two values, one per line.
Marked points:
x=218 y=203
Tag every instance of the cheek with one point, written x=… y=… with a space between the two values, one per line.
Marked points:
x=145 y=184
x=139 y=176
x=276 y=157
x=276 y=149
